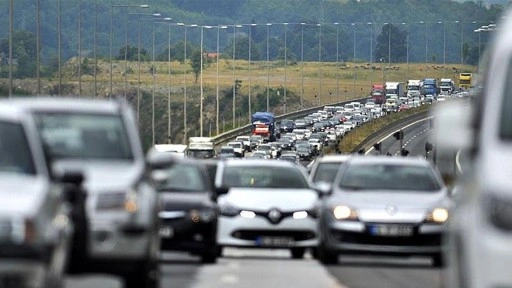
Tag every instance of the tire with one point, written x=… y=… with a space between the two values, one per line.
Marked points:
x=298 y=253
x=147 y=276
x=438 y=261
x=210 y=255
x=326 y=257
x=219 y=251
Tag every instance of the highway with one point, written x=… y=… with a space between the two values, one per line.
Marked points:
x=275 y=268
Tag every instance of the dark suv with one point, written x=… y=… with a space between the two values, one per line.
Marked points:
x=287 y=125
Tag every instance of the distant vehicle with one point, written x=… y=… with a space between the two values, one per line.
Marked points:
x=201 y=147
x=292 y=157
x=465 y=80
x=260 y=155
x=189 y=214
x=264 y=125
x=100 y=138
x=413 y=88
x=246 y=140
x=266 y=204
x=446 y=86
x=325 y=168
x=287 y=125
x=178 y=149
x=378 y=93
x=36 y=234
x=429 y=87
x=395 y=89
x=384 y=205
x=238 y=147
x=227 y=152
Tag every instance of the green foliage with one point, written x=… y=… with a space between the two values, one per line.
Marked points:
x=391 y=42
x=195 y=62
x=132 y=54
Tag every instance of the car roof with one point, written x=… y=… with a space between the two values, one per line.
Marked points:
x=334 y=158
x=256 y=162
x=65 y=104
x=380 y=159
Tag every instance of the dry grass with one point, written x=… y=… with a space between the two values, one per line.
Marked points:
x=327 y=81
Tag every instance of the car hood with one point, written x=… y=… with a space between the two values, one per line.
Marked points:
x=21 y=195
x=105 y=175
x=264 y=199
x=391 y=205
x=184 y=201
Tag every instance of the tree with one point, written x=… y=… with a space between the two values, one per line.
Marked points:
x=391 y=42
x=195 y=62
x=24 y=51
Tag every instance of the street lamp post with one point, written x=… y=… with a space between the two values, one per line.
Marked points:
x=217 y=78
x=268 y=68
x=302 y=64
x=38 y=48
x=111 y=34
x=319 y=64
x=407 y=47
x=234 y=79
x=11 y=23
x=79 y=48
x=337 y=62
x=354 y=59
x=426 y=47
x=201 y=84
x=250 y=71
x=285 y=64
x=461 y=40
x=95 y=69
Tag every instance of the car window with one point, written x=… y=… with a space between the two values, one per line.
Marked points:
x=326 y=172
x=84 y=135
x=506 y=116
x=388 y=177
x=183 y=178
x=15 y=154
x=263 y=177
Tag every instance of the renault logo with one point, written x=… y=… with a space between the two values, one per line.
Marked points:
x=391 y=210
x=274 y=215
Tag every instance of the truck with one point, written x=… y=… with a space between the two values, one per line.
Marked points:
x=264 y=124
x=395 y=89
x=465 y=80
x=378 y=93
x=446 y=86
x=201 y=148
x=428 y=87
x=413 y=88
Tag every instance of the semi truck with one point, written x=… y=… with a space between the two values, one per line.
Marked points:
x=429 y=87
x=378 y=93
x=395 y=89
x=413 y=88
x=446 y=86
x=201 y=148
x=465 y=80
x=264 y=124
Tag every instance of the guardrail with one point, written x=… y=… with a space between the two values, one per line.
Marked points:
x=221 y=138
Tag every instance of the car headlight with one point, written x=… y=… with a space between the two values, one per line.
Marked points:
x=202 y=215
x=228 y=210
x=437 y=215
x=118 y=201
x=499 y=213
x=343 y=212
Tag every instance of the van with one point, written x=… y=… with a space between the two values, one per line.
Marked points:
x=478 y=250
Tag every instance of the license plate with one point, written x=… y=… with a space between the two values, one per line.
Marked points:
x=392 y=230
x=166 y=232
x=275 y=241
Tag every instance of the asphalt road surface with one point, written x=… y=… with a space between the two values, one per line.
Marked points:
x=275 y=268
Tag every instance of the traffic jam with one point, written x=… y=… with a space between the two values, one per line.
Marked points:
x=82 y=196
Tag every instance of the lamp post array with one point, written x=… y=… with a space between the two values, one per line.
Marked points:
x=217 y=77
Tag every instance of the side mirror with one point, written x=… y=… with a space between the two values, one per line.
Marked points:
x=156 y=159
x=221 y=190
x=323 y=188
x=158 y=176
x=74 y=177
x=72 y=181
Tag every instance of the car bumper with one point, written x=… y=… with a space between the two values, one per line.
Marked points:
x=244 y=232
x=185 y=235
x=355 y=237
x=113 y=240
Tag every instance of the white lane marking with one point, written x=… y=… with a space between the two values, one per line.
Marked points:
x=391 y=134
x=229 y=279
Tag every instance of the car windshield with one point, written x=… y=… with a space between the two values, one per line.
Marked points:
x=201 y=153
x=263 y=177
x=80 y=135
x=326 y=172
x=182 y=178
x=264 y=147
x=388 y=177
x=226 y=151
x=15 y=153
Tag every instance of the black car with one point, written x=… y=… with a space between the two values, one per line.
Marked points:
x=287 y=125
x=304 y=152
x=188 y=216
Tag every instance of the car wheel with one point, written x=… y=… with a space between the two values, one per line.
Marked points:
x=438 y=260
x=210 y=256
x=298 y=253
x=219 y=251
x=326 y=257
x=145 y=275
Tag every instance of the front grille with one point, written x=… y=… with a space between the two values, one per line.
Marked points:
x=365 y=238
x=110 y=201
x=297 y=235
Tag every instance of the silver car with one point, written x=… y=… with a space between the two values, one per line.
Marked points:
x=384 y=205
x=101 y=139
x=35 y=216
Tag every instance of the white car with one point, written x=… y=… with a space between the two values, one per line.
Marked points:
x=480 y=231
x=246 y=140
x=266 y=204
x=238 y=146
